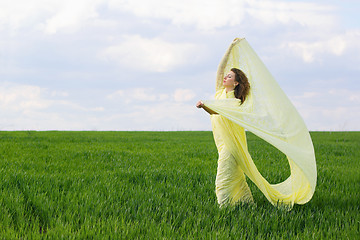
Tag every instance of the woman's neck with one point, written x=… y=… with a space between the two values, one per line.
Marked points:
x=229 y=89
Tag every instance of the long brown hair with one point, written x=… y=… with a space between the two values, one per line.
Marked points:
x=242 y=89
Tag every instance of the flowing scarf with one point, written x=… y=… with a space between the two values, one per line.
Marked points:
x=269 y=114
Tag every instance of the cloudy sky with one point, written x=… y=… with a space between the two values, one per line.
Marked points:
x=143 y=64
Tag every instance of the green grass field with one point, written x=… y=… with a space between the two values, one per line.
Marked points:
x=160 y=185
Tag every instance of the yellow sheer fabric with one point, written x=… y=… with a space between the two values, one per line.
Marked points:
x=268 y=113
x=231 y=186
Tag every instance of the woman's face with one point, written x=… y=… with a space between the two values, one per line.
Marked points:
x=229 y=80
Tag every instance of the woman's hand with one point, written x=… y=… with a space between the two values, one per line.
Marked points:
x=199 y=104
x=236 y=40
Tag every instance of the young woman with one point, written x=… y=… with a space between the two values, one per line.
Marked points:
x=231 y=186
x=251 y=98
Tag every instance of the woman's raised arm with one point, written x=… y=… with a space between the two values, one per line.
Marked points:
x=223 y=62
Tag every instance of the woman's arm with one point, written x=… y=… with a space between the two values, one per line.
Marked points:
x=200 y=104
x=221 y=67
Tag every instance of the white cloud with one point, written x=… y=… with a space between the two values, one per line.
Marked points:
x=155 y=55
x=208 y=15
x=332 y=109
x=51 y=15
x=133 y=94
x=142 y=94
x=70 y=14
x=59 y=93
x=21 y=98
x=183 y=95
x=347 y=96
x=303 y=13
x=146 y=95
x=164 y=111
x=33 y=107
x=203 y=14
x=117 y=94
x=16 y=13
x=335 y=45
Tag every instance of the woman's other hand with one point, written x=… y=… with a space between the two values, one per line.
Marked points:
x=199 y=104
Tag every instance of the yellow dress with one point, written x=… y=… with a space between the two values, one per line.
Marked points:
x=269 y=114
x=231 y=186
